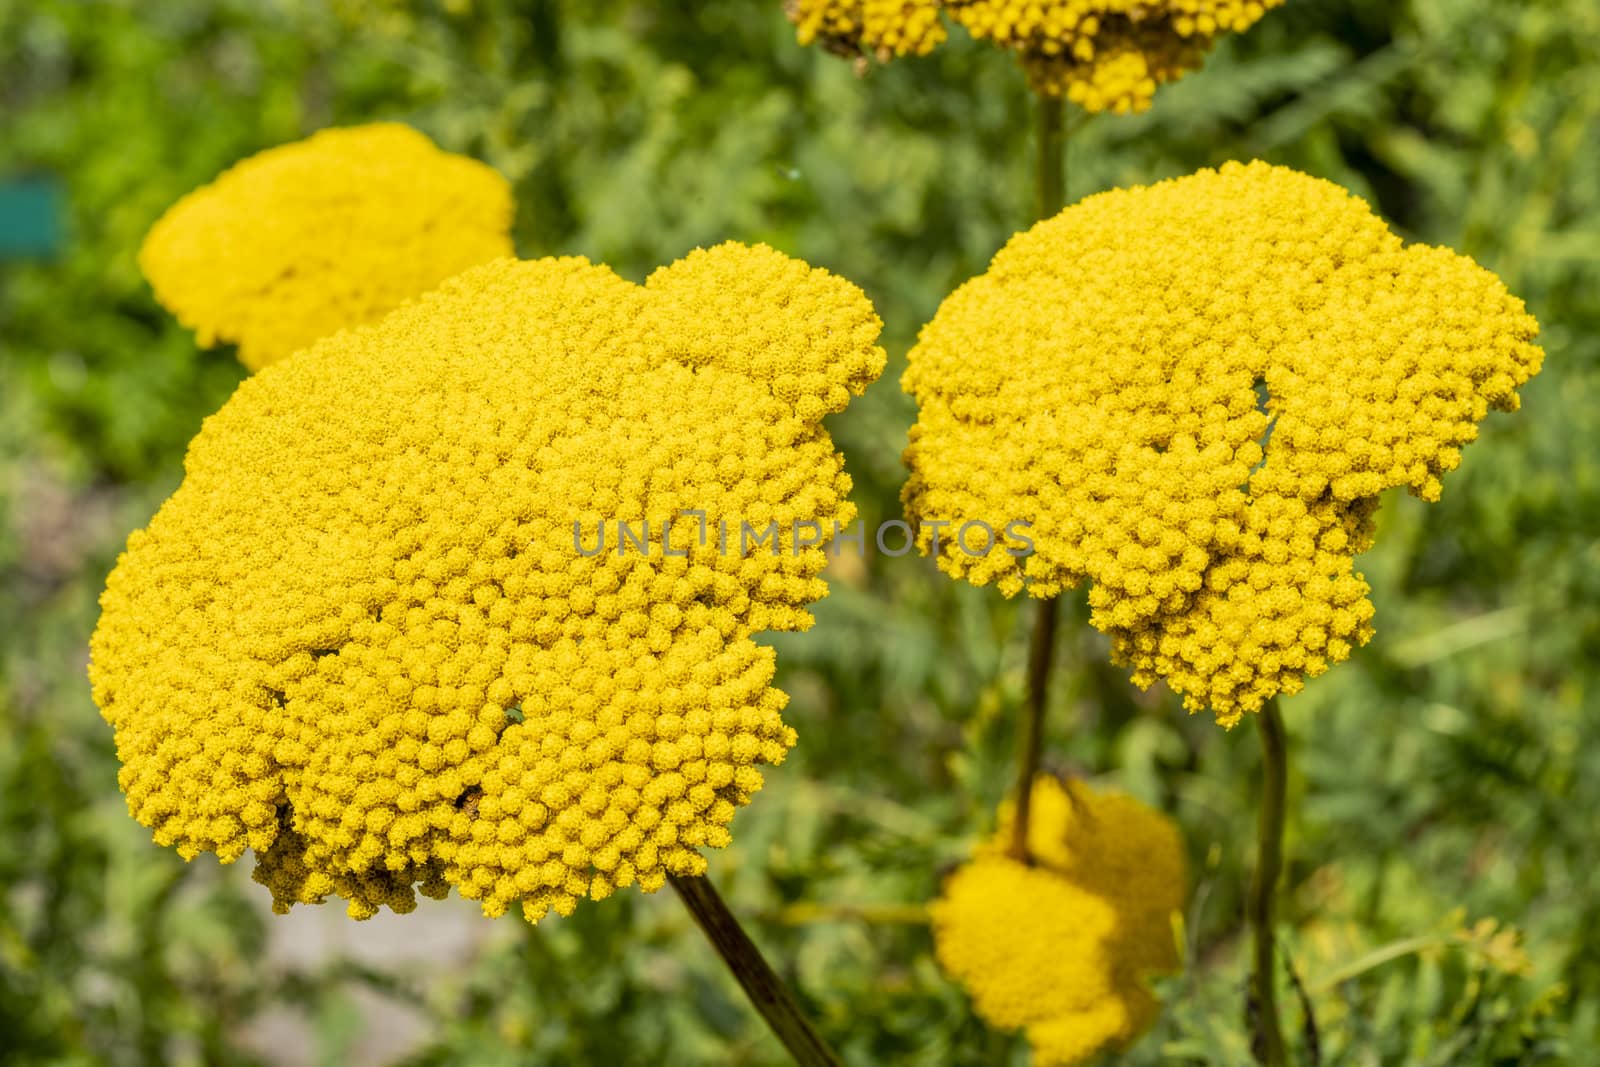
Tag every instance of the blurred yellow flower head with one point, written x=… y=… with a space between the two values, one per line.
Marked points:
x=880 y=28
x=360 y=639
x=1106 y=55
x=1114 y=378
x=305 y=239
x=1063 y=947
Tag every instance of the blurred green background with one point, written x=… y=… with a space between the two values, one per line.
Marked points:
x=1442 y=904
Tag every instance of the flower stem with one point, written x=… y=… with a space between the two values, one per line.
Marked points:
x=1050 y=183
x=1041 y=653
x=1051 y=172
x=765 y=989
x=1267 y=1037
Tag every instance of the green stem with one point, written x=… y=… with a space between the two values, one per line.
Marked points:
x=1041 y=653
x=1267 y=1038
x=767 y=992
x=1051 y=172
x=1050 y=183
x=1377 y=958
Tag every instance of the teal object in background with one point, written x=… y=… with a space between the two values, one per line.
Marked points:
x=30 y=217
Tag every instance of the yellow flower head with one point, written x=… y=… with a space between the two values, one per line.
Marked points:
x=370 y=638
x=1063 y=947
x=1106 y=55
x=881 y=28
x=334 y=231
x=1114 y=377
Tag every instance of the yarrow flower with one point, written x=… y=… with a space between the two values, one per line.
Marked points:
x=1107 y=55
x=1104 y=55
x=881 y=28
x=1064 y=947
x=1114 y=376
x=307 y=238
x=361 y=639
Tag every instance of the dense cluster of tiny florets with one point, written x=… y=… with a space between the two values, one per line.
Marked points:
x=1063 y=947
x=879 y=28
x=1114 y=378
x=362 y=639
x=308 y=238
x=1106 y=55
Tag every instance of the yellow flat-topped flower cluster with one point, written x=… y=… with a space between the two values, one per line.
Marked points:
x=1104 y=55
x=1107 y=55
x=361 y=638
x=1115 y=374
x=301 y=240
x=880 y=28
x=1063 y=946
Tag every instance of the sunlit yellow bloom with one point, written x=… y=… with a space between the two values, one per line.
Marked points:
x=1106 y=55
x=308 y=238
x=881 y=28
x=365 y=640
x=1114 y=376
x=1064 y=947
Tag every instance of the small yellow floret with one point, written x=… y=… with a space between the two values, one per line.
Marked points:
x=1063 y=947
x=1114 y=377
x=365 y=640
x=301 y=240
